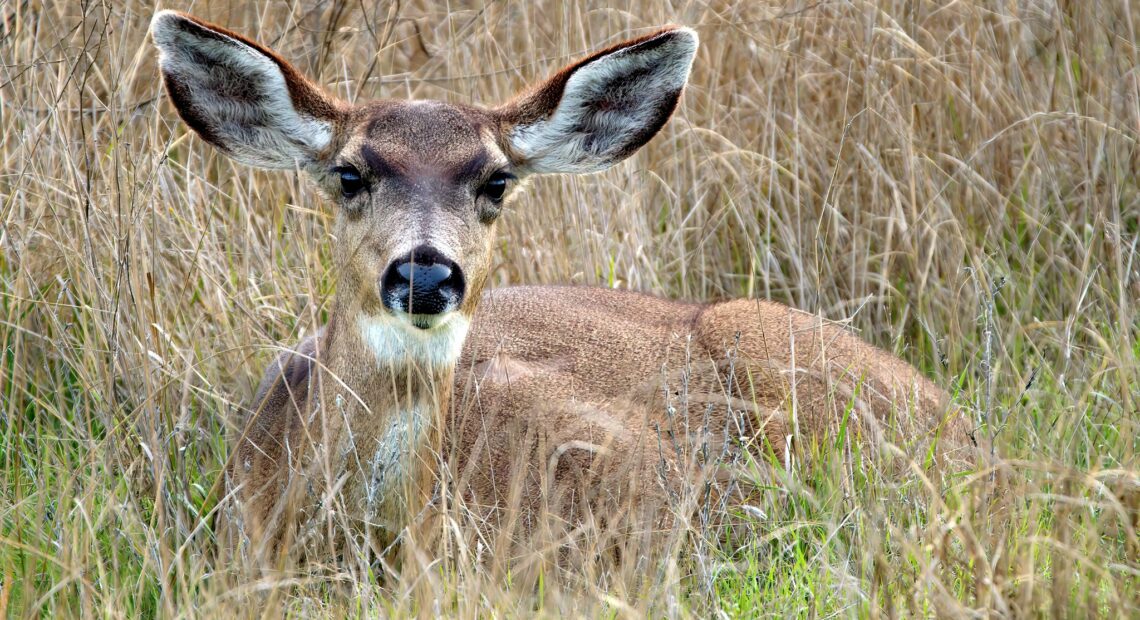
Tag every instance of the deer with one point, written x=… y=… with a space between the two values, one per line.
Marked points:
x=422 y=367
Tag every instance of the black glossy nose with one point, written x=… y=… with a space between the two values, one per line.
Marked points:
x=423 y=282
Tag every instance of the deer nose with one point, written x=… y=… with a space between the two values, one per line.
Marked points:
x=425 y=282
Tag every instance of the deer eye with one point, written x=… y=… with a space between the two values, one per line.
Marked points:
x=496 y=186
x=351 y=182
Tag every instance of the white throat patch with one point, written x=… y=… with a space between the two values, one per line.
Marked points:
x=395 y=341
x=390 y=464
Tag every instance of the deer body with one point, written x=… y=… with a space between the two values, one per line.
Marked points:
x=566 y=390
x=597 y=387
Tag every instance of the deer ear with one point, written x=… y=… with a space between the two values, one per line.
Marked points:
x=598 y=111
x=241 y=97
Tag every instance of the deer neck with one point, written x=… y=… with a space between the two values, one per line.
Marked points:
x=384 y=393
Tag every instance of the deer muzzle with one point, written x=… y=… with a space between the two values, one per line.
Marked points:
x=424 y=284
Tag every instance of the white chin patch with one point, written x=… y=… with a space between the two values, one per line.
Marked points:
x=395 y=340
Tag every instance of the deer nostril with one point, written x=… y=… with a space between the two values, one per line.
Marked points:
x=425 y=282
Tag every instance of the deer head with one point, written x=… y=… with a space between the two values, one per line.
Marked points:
x=419 y=185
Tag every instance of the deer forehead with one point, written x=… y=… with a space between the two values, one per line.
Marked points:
x=423 y=137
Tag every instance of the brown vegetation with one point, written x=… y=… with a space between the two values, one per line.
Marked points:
x=955 y=181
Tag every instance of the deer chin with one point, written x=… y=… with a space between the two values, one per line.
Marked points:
x=428 y=341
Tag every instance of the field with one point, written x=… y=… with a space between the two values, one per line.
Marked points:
x=958 y=182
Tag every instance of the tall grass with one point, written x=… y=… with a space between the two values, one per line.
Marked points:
x=958 y=181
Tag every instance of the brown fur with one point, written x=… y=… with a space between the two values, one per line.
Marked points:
x=600 y=375
x=563 y=396
x=597 y=366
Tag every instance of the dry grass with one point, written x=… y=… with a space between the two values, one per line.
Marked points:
x=959 y=180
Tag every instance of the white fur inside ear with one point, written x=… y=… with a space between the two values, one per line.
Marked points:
x=235 y=96
x=609 y=107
